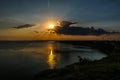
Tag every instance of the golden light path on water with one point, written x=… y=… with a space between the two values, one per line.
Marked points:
x=51 y=58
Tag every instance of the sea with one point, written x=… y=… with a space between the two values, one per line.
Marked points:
x=22 y=60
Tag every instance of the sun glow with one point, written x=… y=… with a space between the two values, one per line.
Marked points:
x=51 y=26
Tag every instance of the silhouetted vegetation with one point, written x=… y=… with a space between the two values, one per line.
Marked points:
x=105 y=69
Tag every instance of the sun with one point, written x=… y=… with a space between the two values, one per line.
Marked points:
x=51 y=26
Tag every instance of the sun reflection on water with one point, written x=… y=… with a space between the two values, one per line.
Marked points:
x=51 y=58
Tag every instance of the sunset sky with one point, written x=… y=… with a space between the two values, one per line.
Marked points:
x=98 y=13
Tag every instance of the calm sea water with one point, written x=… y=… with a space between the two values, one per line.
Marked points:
x=23 y=60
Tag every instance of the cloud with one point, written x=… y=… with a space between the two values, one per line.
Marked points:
x=80 y=31
x=24 y=26
x=66 y=29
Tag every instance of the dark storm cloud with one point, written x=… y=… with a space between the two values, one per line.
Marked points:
x=66 y=29
x=81 y=31
x=24 y=26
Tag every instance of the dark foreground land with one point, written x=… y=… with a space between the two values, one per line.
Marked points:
x=105 y=69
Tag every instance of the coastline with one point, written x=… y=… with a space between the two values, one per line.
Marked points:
x=106 y=68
